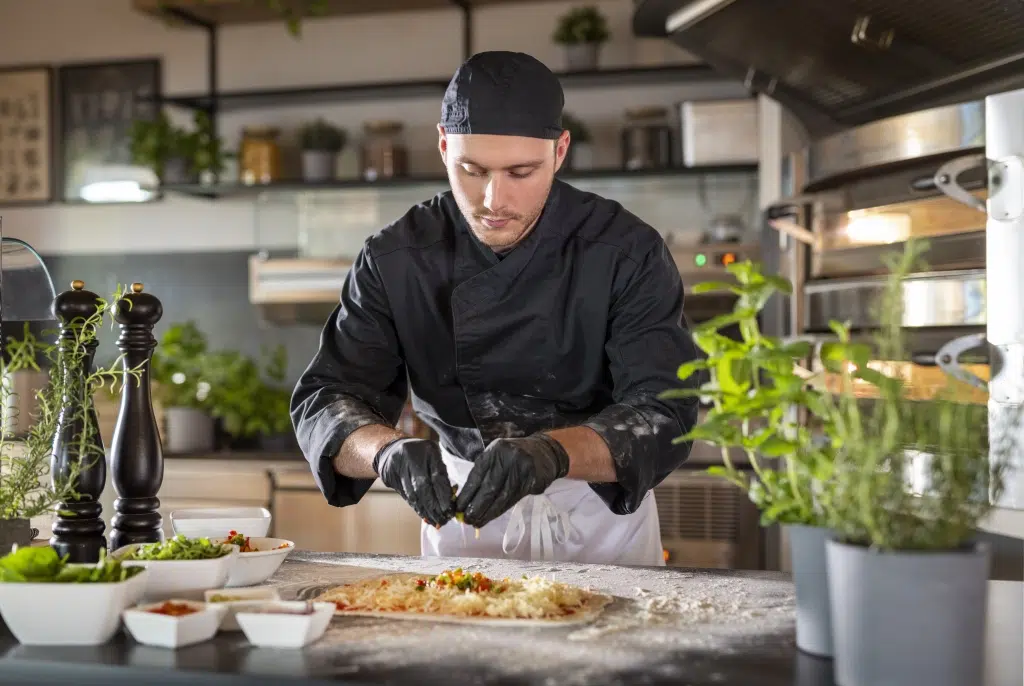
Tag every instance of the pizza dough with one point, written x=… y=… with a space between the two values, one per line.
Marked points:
x=456 y=596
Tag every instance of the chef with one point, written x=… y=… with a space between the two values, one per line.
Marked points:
x=535 y=325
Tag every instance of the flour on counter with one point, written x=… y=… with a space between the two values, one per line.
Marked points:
x=658 y=615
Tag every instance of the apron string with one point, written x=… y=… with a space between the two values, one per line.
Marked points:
x=548 y=526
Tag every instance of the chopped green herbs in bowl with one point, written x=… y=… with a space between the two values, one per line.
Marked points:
x=180 y=548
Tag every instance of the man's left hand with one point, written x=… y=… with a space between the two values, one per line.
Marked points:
x=508 y=470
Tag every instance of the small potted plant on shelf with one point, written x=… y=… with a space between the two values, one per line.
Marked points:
x=908 y=580
x=164 y=148
x=204 y=150
x=179 y=373
x=582 y=31
x=581 y=152
x=759 y=395
x=321 y=142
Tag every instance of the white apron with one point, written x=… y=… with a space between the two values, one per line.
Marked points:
x=568 y=523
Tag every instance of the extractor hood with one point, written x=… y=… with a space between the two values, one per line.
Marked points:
x=842 y=63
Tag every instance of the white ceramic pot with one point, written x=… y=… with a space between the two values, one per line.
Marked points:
x=242 y=599
x=86 y=614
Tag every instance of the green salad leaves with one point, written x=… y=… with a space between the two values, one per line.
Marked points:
x=44 y=565
x=180 y=548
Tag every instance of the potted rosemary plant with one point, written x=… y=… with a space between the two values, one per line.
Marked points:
x=582 y=31
x=321 y=143
x=63 y=404
x=908 y=581
x=759 y=397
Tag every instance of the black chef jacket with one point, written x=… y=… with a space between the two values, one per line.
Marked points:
x=580 y=324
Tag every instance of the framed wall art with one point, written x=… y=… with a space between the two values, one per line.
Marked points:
x=26 y=135
x=99 y=103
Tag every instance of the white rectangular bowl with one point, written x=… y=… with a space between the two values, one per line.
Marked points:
x=165 y=631
x=186 y=579
x=216 y=522
x=285 y=631
x=48 y=614
x=249 y=598
x=251 y=569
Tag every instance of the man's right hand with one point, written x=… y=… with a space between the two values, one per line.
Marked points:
x=413 y=467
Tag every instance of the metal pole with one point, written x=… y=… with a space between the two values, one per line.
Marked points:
x=1004 y=148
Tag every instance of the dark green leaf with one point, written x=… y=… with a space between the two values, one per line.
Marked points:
x=778 y=447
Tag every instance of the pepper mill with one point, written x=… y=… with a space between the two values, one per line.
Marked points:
x=78 y=528
x=136 y=456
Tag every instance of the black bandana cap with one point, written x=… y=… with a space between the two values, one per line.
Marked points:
x=505 y=94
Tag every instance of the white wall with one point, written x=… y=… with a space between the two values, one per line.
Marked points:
x=415 y=45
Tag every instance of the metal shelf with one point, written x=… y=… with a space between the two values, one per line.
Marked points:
x=228 y=190
x=225 y=101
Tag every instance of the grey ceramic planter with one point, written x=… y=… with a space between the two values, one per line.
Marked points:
x=15 y=532
x=810 y=575
x=908 y=618
x=582 y=56
x=318 y=165
x=187 y=430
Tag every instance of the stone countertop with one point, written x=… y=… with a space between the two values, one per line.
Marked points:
x=667 y=626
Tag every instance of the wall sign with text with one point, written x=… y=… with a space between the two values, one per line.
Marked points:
x=98 y=105
x=26 y=115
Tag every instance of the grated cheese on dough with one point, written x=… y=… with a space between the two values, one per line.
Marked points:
x=461 y=594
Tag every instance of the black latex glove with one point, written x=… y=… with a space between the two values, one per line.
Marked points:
x=413 y=467
x=508 y=470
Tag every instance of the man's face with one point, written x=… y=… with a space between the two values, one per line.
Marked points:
x=501 y=182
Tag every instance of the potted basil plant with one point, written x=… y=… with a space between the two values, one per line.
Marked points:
x=582 y=31
x=759 y=394
x=179 y=371
x=908 y=582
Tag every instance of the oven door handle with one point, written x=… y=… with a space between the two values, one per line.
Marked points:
x=947 y=175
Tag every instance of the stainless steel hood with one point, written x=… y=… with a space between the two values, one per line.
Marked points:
x=842 y=63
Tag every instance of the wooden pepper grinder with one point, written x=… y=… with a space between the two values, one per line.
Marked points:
x=136 y=457
x=78 y=528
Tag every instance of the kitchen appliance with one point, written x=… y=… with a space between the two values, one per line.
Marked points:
x=862 y=198
x=850 y=62
x=647 y=139
x=719 y=131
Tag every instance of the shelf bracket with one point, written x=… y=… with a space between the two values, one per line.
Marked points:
x=211 y=57
x=467 y=27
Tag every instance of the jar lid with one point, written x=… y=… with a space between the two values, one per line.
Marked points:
x=382 y=126
x=648 y=112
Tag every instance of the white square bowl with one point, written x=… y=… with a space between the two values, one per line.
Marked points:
x=71 y=614
x=186 y=579
x=251 y=569
x=274 y=630
x=166 y=631
x=217 y=522
x=248 y=598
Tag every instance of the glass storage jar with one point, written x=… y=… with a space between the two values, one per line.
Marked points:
x=647 y=139
x=383 y=154
x=259 y=156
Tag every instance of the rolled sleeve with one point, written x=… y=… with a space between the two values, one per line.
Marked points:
x=357 y=378
x=648 y=340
